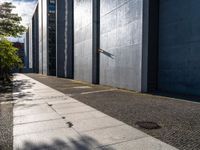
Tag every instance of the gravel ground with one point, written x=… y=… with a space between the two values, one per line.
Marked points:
x=6 y=121
x=179 y=119
x=6 y=117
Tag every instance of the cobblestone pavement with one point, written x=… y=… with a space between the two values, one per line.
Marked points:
x=6 y=118
x=179 y=119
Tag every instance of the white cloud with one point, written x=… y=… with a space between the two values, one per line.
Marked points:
x=25 y=9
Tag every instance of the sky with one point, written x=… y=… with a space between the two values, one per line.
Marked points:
x=24 y=8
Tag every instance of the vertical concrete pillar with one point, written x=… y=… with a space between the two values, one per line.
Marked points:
x=35 y=41
x=83 y=47
x=45 y=37
x=40 y=22
x=30 y=46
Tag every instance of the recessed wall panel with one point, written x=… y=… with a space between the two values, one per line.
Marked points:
x=83 y=40
x=121 y=27
x=179 y=47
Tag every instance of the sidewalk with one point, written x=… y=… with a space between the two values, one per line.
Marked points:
x=48 y=119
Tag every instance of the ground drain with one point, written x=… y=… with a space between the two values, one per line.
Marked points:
x=147 y=125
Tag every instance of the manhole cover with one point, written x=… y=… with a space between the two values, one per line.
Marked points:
x=148 y=125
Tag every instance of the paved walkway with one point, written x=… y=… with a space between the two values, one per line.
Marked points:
x=177 y=115
x=45 y=118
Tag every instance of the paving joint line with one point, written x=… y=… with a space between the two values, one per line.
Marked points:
x=85 y=131
x=36 y=122
x=104 y=146
x=36 y=132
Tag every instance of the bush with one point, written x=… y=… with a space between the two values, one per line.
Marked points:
x=8 y=58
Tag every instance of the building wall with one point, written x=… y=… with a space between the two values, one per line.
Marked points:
x=83 y=40
x=179 y=44
x=138 y=47
x=121 y=27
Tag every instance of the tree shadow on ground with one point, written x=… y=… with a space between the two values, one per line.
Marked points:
x=81 y=143
x=7 y=89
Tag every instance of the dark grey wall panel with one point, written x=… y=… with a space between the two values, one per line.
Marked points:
x=60 y=38
x=83 y=40
x=121 y=27
x=51 y=37
x=153 y=45
x=64 y=38
x=69 y=39
x=179 y=44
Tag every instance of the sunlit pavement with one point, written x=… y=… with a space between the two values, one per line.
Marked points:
x=48 y=119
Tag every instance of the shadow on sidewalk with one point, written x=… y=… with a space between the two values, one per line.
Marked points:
x=82 y=143
x=7 y=89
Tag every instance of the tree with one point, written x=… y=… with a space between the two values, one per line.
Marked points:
x=9 y=26
x=10 y=22
x=8 y=57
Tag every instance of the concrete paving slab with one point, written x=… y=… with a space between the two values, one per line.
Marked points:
x=28 y=106
x=35 y=118
x=67 y=105
x=147 y=143
x=38 y=127
x=62 y=101
x=97 y=123
x=115 y=134
x=32 y=102
x=30 y=111
x=74 y=110
x=84 y=115
x=53 y=139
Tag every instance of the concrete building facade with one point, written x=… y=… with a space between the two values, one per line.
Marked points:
x=139 y=45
